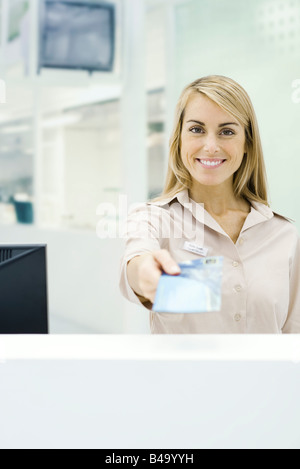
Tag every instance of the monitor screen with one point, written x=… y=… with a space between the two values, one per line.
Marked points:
x=23 y=290
x=77 y=35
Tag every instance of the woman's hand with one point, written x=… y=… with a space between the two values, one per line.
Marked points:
x=144 y=272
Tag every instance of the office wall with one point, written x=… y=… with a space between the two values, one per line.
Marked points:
x=256 y=43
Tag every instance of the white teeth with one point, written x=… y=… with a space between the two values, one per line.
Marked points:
x=211 y=163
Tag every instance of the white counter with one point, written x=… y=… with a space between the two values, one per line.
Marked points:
x=152 y=347
x=150 y=392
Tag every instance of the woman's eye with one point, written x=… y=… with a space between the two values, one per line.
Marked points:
x=196 y=130
x=228 y=132
x=199 y=130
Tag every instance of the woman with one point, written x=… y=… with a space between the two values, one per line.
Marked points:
x=217 y=174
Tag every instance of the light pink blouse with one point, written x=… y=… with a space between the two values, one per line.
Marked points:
x=261 y=272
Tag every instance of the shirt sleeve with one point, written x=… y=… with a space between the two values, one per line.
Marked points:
x=141 y=234
x=292 y=325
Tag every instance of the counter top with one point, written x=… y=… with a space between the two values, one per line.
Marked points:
x=204 y=392
x=155 y=347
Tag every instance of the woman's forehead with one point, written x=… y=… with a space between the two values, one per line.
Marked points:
x=200 y=106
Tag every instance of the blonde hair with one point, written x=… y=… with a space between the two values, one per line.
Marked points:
x=250 y=181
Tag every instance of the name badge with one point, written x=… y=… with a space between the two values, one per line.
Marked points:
x=195 y=248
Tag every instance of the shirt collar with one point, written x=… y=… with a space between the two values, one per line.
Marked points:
x=183 y=197
x=259 y=212
x=267 y=212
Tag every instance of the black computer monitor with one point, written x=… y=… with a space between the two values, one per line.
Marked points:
x=77 y=34
x=23 y=289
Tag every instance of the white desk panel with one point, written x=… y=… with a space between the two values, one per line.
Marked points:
x=149 y=392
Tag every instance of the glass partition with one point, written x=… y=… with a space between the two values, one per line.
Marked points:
x=258 y=46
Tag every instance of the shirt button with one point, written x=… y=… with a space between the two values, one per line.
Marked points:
x=235 y=264
x=241 y=241
x=238 y=317
x=238 y=288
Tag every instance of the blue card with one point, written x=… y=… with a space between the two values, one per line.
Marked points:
x=197 y=289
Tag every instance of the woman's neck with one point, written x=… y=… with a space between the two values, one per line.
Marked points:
x=218 y=200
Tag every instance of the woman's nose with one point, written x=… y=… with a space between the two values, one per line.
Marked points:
x=211 y=145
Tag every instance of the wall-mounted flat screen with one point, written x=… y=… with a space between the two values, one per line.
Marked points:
x=77 y=35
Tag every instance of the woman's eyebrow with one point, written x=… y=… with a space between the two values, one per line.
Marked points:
x=221 y=125
x=229 y=123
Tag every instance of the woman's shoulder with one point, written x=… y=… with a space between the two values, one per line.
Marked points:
x=284 y=218
x=277 y=218
x=158 y=205
x=287 y=223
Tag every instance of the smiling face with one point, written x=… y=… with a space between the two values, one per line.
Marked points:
x=213 y=143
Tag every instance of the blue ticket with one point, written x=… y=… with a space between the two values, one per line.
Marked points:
x=197 y=289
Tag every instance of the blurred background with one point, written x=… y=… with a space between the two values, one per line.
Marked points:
x=90 y=91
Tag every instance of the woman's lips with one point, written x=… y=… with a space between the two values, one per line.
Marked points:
x=212 y=163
